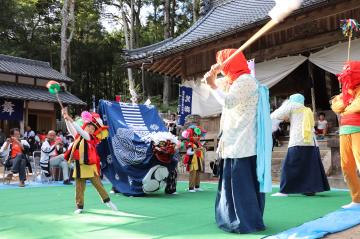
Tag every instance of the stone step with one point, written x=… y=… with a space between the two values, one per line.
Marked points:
x=337 y=181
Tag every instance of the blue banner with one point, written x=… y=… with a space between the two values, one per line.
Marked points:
x=11 y=109
x=185 y=101
x=125 y=156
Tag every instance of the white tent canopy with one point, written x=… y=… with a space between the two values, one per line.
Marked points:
x=272 y=72
x=268 y=73
x=332 y=59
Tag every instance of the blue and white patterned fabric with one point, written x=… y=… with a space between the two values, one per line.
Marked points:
x=125 y=156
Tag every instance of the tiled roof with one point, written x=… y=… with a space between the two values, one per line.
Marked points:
x=224 y=18
x=25 y=92
x=31 y=68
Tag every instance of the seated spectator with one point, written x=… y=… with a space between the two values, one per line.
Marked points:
x=13 y=150
x=37 y=141
x=52 y=154
x=321 y=126
x=42 y=136
x=69 y=139
x=60 y=134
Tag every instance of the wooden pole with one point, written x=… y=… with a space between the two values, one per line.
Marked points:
x=313 y=99
x=267 y=27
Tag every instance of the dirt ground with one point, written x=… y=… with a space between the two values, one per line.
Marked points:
x=352 y=233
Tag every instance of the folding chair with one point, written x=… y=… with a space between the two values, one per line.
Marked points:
x=56 y=173
x=7 y=170
x=37 y=168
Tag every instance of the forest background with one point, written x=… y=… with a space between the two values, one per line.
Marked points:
x=101 y=29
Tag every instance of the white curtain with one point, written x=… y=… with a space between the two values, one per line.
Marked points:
x=332 y=59
x=272 y=72
x=268 y=73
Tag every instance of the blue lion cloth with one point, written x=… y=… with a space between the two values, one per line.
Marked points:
x=333 y=222
x=125 y=156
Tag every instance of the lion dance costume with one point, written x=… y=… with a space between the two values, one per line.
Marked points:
x=164 y=146
x=347 y=105
x=194 y=156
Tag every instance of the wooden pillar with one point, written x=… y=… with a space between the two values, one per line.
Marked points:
x=311 y=77
x=24 y=122
x=26 y=119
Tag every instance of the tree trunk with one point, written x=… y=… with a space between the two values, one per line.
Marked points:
x=132 y=15
x=128 y=45
x=167 y=34
x=195 y=10
x=67 y=17
x=173 y=16
x=155 y=18
x=167 y=31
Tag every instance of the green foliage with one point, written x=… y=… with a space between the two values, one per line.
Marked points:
x=31 y=29
x=157 y=101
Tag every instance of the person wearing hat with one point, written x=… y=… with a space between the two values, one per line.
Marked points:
x=347 y=105
x=194 y=156
x=302 y=170
x=87 y=131
x=52 y=155
x=245 y=173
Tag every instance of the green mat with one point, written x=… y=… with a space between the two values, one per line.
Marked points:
x=47 y=212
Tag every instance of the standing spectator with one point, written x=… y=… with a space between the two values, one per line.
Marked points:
x=52 y=155
x=276 y=132
x=13 y=151
x=2 y=136
x=29 y=136
x=29 y=133
x=171 y=124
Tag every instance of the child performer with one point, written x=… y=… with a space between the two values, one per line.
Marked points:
x=302 y=170
x=347 y=104
x=194 y=156
x=83 y=153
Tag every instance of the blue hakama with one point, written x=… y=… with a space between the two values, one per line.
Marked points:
x=239 y=205
x=303 y=171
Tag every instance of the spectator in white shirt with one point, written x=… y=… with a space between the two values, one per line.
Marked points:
x=321 y=126
x=52 y=154
x=29 y=132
